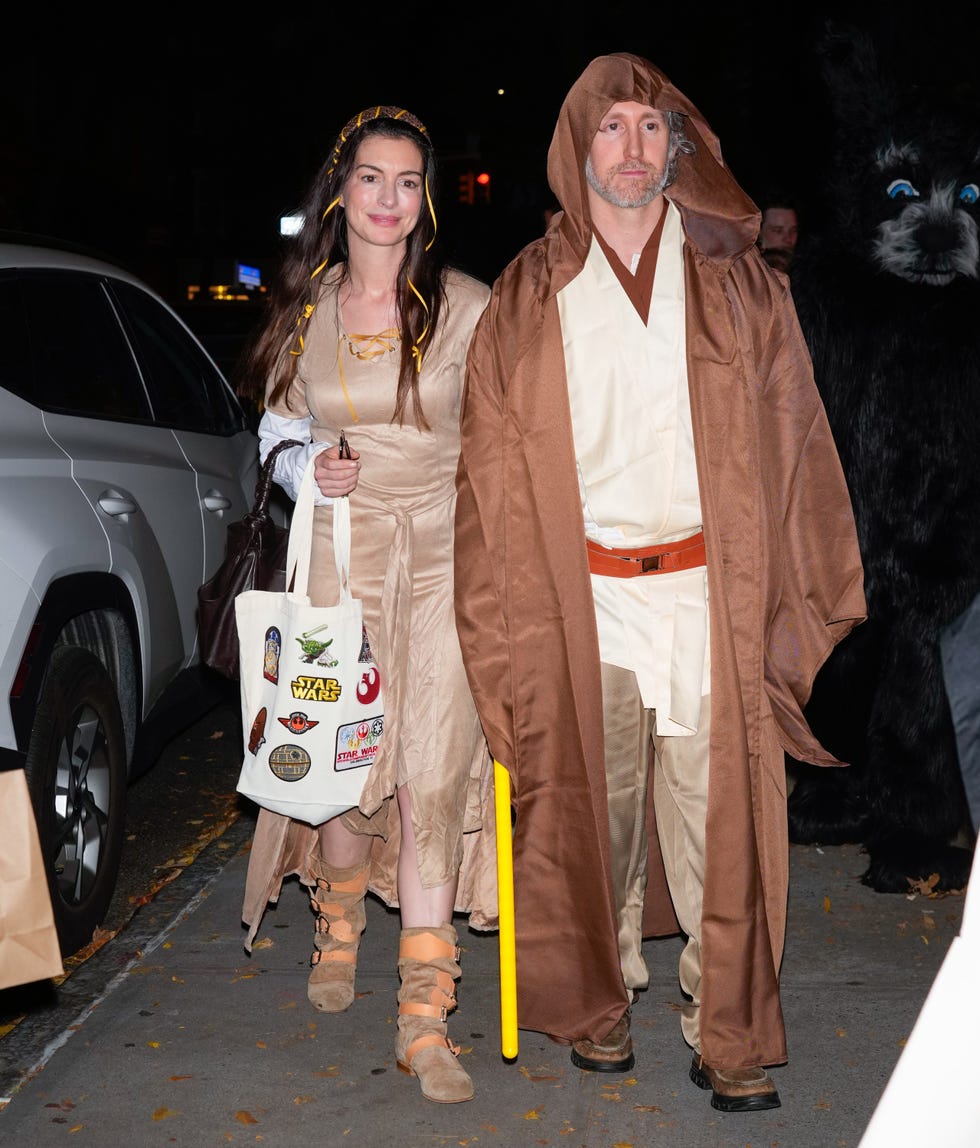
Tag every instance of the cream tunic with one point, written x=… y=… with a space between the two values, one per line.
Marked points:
x=401 y=568
x=634 y=446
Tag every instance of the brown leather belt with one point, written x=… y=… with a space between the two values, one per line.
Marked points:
x=681 y=554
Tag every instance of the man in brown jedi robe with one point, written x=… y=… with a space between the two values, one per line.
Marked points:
x=655 y=549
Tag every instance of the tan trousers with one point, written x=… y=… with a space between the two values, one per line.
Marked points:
x=680 y=796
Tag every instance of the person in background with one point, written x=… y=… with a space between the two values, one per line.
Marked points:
x=648 y=491
x=779 y=231
x=366 y=335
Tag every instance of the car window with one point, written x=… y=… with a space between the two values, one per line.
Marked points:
x=186 y=390
x=16 y=370
x=82 y=361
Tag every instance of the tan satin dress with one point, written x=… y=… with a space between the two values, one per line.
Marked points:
x=401 y=568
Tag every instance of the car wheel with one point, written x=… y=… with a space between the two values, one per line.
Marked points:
x=76 y=771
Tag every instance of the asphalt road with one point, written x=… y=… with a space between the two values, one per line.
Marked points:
x=174 y=811
x=178 y=806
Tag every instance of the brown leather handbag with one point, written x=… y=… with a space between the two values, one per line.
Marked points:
x=255 y=559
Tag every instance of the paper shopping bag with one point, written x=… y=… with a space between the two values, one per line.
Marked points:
x=29 y=948
x=312 y=704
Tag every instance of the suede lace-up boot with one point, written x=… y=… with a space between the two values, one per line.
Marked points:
x=428 y=964
x=337 y=898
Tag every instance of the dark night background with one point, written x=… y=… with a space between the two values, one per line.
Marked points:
x=175 y=142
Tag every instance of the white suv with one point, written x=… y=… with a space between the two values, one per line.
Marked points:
x=124 y=455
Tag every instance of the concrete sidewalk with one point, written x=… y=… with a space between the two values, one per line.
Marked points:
x=172 y=1035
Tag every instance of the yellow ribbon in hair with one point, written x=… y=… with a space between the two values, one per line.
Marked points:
x=329 y=208
x=432 y=212
x=299 y=345
x=301 y=321
x=416 y=351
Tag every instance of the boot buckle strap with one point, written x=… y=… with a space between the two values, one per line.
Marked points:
x=341 y=955
x=413 y=1008
x=427 y=1041
x=426 y=948
x=357 y=884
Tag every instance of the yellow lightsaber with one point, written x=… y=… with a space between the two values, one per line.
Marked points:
x=505 y=905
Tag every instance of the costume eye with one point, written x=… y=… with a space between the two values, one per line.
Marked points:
x=969 y=193
x=901 y=189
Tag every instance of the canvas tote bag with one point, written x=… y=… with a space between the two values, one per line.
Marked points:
x=312 y=704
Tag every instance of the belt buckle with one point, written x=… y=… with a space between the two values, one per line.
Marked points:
x=651 y=563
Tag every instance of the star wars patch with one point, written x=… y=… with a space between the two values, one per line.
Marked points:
x=256 y=736
x=316 y=649
x=297 y=722
x=365 y=655
x=369 y=686
x=273 y=650
x=289 y=762
x=315 y=689
x=358 y=743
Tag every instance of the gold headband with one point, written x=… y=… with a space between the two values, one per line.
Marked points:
x=378 y=112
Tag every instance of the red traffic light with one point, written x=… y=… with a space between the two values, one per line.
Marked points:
x=474 y=187
x=466 y=187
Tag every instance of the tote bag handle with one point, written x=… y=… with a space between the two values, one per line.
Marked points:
x=301 y=537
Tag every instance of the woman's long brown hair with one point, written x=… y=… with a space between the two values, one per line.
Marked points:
x=322 y=242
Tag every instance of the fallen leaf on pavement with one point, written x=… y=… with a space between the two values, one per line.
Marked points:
x=536 y=1077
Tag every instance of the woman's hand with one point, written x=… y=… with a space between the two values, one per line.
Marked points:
x=336 y=476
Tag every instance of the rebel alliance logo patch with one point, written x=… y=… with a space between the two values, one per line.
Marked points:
x=298 y=722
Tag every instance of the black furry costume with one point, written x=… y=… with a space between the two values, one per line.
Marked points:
x=889 y=299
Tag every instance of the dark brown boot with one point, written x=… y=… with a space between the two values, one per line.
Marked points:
x=736 y=1089
x=337 y=899
x=614 y=1053
x=428 y=964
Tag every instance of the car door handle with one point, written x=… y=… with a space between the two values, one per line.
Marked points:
x=214 y=501
x=116 y=504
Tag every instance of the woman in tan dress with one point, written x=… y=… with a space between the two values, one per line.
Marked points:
x=367 y=336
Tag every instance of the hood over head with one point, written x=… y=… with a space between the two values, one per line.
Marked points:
x=719 y=217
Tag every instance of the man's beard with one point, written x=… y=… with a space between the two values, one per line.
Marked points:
x=638 y=195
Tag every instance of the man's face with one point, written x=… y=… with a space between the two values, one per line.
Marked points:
x=627 y=162
x=778 y=228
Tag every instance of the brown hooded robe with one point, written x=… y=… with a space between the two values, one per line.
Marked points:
x=784 y=576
